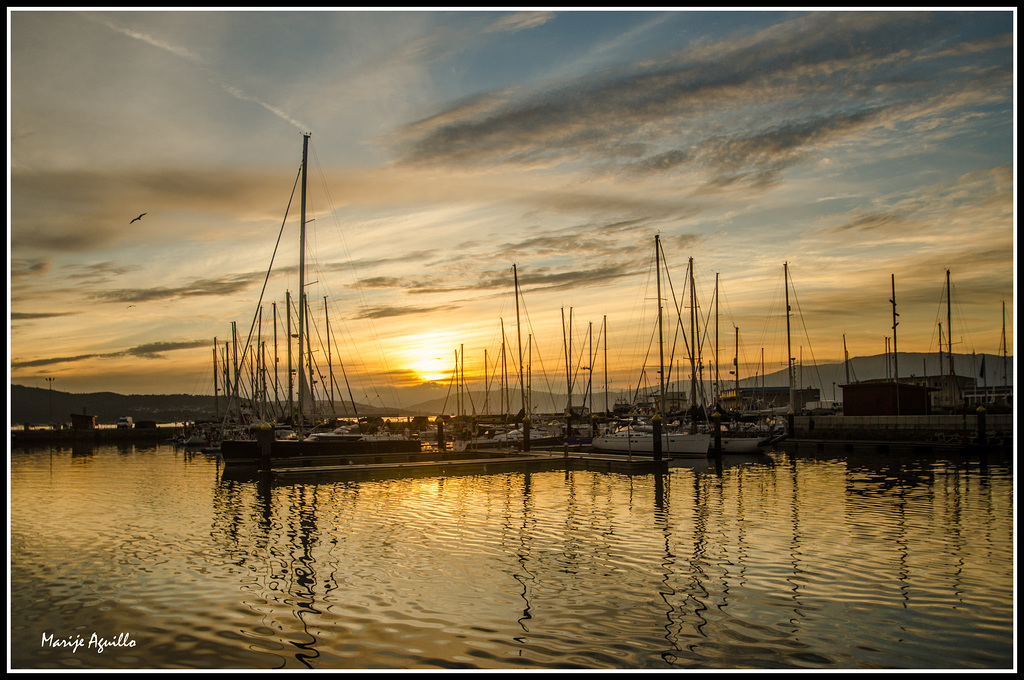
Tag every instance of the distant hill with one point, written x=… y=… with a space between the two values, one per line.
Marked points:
x=38 y=405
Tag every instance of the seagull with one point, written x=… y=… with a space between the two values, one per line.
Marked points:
x=137 y=218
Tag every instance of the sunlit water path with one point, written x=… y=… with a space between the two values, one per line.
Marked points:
x=811 y=563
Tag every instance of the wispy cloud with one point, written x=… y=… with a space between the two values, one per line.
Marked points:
x=511 y=23
x=187 y=55
x=737 y=111
x=200 y=288
x=153 y=350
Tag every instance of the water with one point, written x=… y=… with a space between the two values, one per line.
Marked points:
x=791 y=563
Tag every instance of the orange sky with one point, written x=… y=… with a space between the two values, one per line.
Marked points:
x=447 y=147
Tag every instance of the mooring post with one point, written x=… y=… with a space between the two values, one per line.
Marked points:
x=526 y=433
x=440 y=433
x=656 y=422
x=717 y=418
x=791 y=425
x=265 y=444
x=568 y=433
x=982 y=434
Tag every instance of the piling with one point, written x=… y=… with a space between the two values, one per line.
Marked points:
x=717 y=418
x=265 y=444
x=982 y=433
x=791 y=425
x=656 y=422
x=440 y=433
x=526 y=433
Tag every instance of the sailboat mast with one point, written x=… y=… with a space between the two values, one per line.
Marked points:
x=604 y=327
x=330 y=365
x=661 y=347
x=216 y=400
x=568 y=363
x=789 y=342
x=519 y=340
x=1003 y=343
x=895 y=355
x=288 y=332
x=277 y=361
x=718 y=386
x=949 y=334
x=846 y=360
x=693 y=348
x=302 y=277
x=736 y=370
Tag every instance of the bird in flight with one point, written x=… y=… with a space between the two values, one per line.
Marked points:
x=137 y=218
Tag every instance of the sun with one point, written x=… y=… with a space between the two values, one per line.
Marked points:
x=432 y=369
x=426 y=357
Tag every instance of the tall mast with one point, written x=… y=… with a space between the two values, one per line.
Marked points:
x=1003 y=343
x=718 y=387
x=693 y=347
x=661 y=348
x=568 y=363
x=736 y=370
x=604 y=326
x=895 y=353
x=277 y=360
x=519 y=340
x=590 y=354
x=216 y=400
x=302 y=278
x=330 y=365
x=846 y=360
x=487 y=385
x=288 y=332
x=789 y=345
x=949 y=334
x=505 y=403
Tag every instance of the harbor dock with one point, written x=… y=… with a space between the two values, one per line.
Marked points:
x=448 y=464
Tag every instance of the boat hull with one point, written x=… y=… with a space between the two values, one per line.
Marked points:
x=672 y=445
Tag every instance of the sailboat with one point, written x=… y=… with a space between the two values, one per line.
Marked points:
x=738 y=442
x=640 y=439
x=249 y=451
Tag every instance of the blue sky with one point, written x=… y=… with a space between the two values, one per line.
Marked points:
x=448 y=146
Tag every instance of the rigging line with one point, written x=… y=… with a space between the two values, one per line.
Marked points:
x=344 y=375
x=803 y=324
x=266 y=279
x=540 y=359
x=356 y=284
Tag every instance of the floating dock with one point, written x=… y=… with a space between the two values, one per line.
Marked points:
x=449 y=464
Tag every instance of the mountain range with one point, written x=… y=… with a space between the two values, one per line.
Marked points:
x=40 y=405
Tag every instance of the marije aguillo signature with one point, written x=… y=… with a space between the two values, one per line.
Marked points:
x=94 y=642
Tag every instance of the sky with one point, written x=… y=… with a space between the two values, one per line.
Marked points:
x=860 y=155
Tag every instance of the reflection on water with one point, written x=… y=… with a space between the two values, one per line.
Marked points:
x=815 y=563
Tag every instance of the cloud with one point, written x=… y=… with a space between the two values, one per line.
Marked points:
x=24 y=267
x=741 y=110
x=187 y=55
x=153 y=350
x=370 y=312
x=176 y=50
x=32 y=316
x=513 y=23
x=226 y=285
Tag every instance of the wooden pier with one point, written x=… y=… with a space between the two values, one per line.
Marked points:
x=358 y=468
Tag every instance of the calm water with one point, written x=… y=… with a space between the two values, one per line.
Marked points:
x=805 y=563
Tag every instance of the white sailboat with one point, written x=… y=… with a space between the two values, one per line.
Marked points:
x=303 y=442
x=641 y=440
